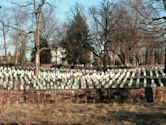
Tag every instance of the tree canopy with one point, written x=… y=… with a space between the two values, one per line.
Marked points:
x=77 y=40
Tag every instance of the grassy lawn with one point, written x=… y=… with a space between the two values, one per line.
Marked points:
x=84 y=114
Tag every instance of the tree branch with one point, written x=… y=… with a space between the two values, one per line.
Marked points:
x=44 y=49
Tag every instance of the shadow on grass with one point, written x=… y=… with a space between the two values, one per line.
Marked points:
x=139 y=118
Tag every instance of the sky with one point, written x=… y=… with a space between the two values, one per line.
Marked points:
x=62 y=8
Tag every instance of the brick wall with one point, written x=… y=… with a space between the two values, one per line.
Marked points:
x=99 y=95
x=159 y=94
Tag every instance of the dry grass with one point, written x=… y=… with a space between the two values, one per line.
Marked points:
x=84 y=114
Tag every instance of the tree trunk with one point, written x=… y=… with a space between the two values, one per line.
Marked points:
x=37 y=47
x=146 y=56
x=16 y=56
x=105 y=58
x=37 y=62
x=105 y=62
x=38 y=12
x=137 y=60
x=5 y=44
x=23 y=51
x=125 y=61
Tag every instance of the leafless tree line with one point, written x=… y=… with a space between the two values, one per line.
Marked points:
x=131 y=32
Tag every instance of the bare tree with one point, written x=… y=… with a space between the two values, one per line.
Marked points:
x=37 y=13
x=4 y=21
x=49 y=24
x=164 y=3
x=128 y=34
x=151 y=30
x=19 y=38
x=125 y=37
x=102 y=18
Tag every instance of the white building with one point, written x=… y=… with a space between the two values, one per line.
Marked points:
x=58 y=54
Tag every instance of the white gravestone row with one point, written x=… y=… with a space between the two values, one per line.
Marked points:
x=22 y=78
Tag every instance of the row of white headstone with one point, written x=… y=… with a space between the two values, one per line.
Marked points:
x=22 y=78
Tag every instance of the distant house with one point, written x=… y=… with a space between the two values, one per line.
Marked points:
x=58 y=55
x=7 y=59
